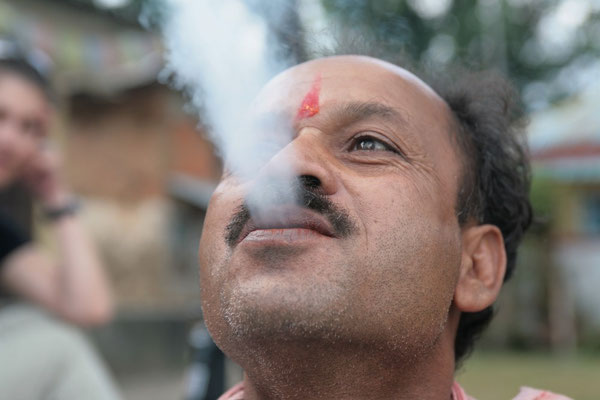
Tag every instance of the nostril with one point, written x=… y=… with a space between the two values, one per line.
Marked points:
x=310 y=181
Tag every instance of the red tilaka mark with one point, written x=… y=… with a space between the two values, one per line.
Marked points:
x=310 y=104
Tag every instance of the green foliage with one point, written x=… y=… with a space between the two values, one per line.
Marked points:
x=489 y=34
x=498 y=376
x=543 y=197
x=502 y=34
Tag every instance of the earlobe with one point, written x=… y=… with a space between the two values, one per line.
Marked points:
x=482 y=268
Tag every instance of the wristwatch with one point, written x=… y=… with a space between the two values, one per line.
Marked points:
x=69 y=208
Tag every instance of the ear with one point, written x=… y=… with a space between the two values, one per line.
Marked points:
x=482 y=268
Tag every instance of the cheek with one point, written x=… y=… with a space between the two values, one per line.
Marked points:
x=25 y=149
x=412 y=253
x=421 y=248
x=414 y=270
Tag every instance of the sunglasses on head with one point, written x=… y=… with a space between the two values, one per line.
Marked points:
x=11 y=51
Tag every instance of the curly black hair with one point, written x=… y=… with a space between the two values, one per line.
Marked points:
x=496 y=173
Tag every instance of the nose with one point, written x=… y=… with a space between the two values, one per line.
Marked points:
x=305 y=158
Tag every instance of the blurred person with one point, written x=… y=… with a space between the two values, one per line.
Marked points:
x=376 y=283
x=44 y=357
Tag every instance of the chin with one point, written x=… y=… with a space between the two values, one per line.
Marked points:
x=254 y=312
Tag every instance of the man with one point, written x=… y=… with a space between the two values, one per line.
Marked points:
x=375 y=282
x=43 y=357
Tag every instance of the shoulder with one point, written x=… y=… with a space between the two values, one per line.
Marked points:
x=528 y=393
x=235 y=393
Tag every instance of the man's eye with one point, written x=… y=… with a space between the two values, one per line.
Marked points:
x=370 y=144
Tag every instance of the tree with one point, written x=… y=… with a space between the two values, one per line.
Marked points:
x=539 y=44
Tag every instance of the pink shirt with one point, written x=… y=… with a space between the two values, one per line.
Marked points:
x=526 y=393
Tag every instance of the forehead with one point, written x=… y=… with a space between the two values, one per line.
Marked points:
x=18 y=90
x=356 y=79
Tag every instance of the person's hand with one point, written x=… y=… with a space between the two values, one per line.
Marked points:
x=43 y=177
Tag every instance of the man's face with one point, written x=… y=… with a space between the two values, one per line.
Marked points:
x=377 y=259
x=23 y=124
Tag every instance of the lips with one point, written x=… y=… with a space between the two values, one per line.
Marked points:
x=287 y=218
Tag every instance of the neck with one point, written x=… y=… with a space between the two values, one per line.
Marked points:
x=315 y=371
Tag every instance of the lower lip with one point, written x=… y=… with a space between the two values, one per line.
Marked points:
x=288 y=235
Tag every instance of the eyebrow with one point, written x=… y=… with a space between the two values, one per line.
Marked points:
x=341 y=115
x=353 y=112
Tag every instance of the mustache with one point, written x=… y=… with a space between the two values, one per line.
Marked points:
x=307 y=196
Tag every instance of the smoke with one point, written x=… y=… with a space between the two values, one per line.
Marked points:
x=221 y=53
